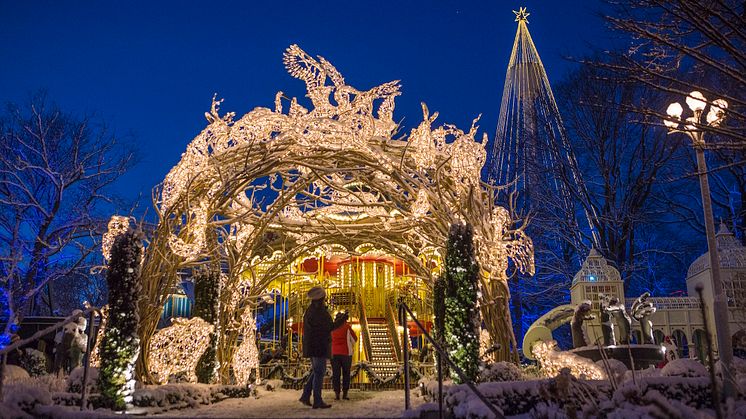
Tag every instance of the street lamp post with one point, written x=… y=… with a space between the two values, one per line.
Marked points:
x=697 y=103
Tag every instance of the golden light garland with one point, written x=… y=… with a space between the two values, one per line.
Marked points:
x=322 y=180
x=177 y=348
x=351 y=123
x=95 y=359
x=485 y=344
x=552 y=361
x=117 y=225
x=246 y=357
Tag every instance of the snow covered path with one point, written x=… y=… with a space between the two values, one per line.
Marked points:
x=284 y=404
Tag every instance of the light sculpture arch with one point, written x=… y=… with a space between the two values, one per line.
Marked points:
x=274 y=185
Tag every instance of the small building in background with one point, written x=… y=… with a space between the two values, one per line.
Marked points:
x=677 y=319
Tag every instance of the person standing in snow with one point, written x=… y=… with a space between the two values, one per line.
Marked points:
x=343 y=342
x=317 y=340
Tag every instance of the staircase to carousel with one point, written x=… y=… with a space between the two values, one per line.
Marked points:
x=383 y=359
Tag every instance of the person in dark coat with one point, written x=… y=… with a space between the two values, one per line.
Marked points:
x=317 y=342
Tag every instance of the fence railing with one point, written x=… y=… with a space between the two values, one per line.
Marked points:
x=391 y=323
x=363 y=317
x=404 y=310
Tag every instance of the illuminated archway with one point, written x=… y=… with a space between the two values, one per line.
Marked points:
x=259 y=192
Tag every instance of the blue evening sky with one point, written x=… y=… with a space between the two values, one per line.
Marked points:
x=150 y=68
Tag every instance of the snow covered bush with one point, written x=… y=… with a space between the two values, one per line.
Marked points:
x=75 y=381
x=500 y=371
x=189 y=395
x=21 y=399
x=563 y=394
x=694 y=392
x=658 y=397
x=173 y=396
x=614 y=368
x=33 y=361
x=232 y=391
x=50 y=382
x=121 y=344
x=684 y=367
x=429 y=388
x=531 y=372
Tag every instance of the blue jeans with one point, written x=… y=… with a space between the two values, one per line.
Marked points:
x=315 y=381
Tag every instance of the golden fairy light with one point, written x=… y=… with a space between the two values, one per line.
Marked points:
x=177 y=348
x=552 y=361
x=95 y=351
x=340 y=175
x=117 y=225
x=246 y=357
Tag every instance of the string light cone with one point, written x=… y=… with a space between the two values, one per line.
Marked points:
x=531 y=141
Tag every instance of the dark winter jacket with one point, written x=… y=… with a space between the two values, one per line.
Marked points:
x=317 y=331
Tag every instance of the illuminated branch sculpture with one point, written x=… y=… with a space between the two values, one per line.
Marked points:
x=178 y=348
x=273 y=186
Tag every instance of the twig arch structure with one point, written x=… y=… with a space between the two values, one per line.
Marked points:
x=273 y=186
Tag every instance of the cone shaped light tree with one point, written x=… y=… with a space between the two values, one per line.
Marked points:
x=531 y=143
x=531 y=154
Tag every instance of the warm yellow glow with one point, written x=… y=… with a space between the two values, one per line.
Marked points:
x=351 y=123
x=696 y=101
x=521 y=15
x=117 y=226
x=675 y=110
x=552 y=361
x=95 y=352
x=305 y=178
x=177 y=348
x=717 y=112
x=246 y=357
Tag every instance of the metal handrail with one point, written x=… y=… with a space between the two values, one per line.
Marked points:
x=363 y=318
x=391 y=323
x=403 y=311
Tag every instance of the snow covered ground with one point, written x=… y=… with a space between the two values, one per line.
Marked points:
x=284 y=404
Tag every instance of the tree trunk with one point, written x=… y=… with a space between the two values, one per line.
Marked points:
x=496 y=315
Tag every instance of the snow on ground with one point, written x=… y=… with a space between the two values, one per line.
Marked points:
x=284 y=403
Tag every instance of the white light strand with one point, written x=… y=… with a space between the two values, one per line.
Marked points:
x=342 y=119
x=177 y=348
x=117 y=226
x=246 y=357
x=552 y=361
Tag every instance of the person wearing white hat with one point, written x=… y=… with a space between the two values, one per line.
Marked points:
x=317 y=340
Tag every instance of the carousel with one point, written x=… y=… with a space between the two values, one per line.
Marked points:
x=366 y=284
x=280 y=200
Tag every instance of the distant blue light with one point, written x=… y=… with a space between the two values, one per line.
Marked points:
x=591 y=278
